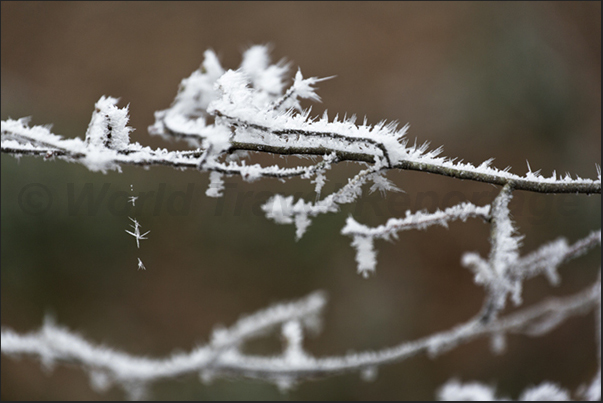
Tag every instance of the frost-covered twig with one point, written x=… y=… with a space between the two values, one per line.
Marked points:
x=55 y=344
x=364 y=236
x=221 y=357
x=284 y=210
x=419 y=220
x=224 y=114
x=249 y=110
x=19 y=139
x=504 y=253
x=504 y=271
x=550 y=256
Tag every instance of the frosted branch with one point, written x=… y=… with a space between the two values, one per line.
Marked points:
x=418 y=220
x=504 y=253
x=545 y=260
x=364 y=236
x=284 y=210
x=53 y=343
x=550 y=256
x=224 y=114
x=19 y=139
x=222 y=358
x=249 y=110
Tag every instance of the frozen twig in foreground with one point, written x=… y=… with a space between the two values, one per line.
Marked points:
x=453 y=390
x=221 y=357
x=53 y=343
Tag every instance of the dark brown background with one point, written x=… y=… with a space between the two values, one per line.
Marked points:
x=513 y=81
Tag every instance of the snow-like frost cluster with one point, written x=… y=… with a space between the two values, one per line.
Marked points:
x=478 y=392
x=109 y=125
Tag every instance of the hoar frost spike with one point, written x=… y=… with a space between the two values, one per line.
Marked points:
x=136 y=234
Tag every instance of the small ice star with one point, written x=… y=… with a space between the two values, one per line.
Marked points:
x=136 y=234
x=132 y=199
x=140 y=265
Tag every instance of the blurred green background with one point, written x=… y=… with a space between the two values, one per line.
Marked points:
x=514 y=81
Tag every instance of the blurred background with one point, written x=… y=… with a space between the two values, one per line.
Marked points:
x=514 y=81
